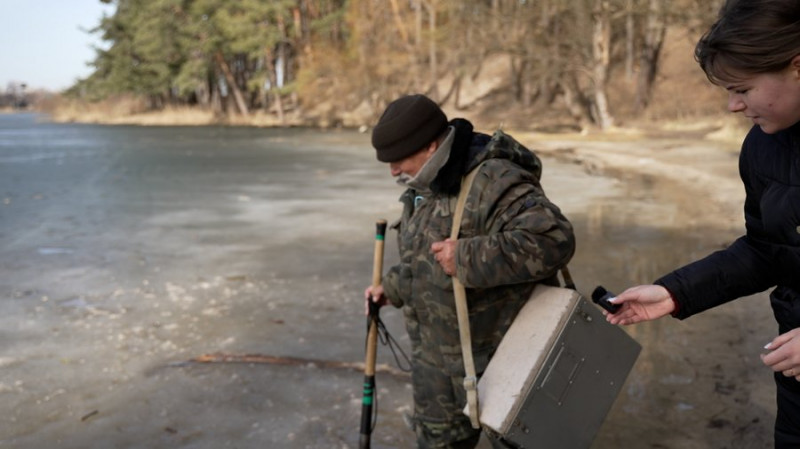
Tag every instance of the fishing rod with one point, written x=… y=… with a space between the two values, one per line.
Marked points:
x=372 y=340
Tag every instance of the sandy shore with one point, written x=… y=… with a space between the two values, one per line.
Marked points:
x=701 y=172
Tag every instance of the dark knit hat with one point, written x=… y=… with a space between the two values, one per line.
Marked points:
x=407 y=125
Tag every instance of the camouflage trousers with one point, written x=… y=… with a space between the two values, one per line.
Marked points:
x=439 y=399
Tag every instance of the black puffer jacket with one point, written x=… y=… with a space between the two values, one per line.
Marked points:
x=769 y=254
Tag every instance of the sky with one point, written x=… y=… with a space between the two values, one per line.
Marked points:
x=46 y=44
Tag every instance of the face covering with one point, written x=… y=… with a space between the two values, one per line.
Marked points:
x=422 y=181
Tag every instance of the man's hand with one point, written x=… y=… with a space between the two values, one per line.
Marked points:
x=445 y=253
x=377 y=296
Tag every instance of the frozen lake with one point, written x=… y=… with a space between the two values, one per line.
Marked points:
x=126 y=251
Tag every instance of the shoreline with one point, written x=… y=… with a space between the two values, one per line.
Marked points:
x=700 y=157
x=700 y=174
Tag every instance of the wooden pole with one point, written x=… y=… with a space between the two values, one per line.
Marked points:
x=372 y=341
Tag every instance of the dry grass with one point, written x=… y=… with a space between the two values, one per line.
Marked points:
x=62 y=109
x=128 y=110
x=170 y=116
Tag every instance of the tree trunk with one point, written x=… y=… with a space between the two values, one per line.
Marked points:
x=432 y=60
x=576 y=103
x=630 y=35
x=519 y=67
x=216 y=100
x=601 y=56
x=418 y=23
x=229 y=78
x=274 y=85
x=401 y=28
x=203 y=96
x=417 y=79
x=455 y=92
x=655 y=31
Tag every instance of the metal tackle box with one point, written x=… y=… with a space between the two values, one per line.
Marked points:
x=556 y=373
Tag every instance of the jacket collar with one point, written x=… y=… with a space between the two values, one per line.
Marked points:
x=448 y=179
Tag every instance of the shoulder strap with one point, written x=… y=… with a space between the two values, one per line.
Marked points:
x=462 y=312
x=466 y=185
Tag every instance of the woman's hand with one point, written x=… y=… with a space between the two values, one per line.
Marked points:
x=784 y=354
x=641 y=303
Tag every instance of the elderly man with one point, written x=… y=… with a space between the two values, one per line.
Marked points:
x=512 y=237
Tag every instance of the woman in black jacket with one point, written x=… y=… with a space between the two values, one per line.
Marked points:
x=753 y=51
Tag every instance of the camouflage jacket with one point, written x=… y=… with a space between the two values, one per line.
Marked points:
x=511 y=238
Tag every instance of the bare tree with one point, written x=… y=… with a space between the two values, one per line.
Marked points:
x=601 y=61
x=232 y=84
x=653 y=39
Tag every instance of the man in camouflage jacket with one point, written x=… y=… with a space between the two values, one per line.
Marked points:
x=512 y=237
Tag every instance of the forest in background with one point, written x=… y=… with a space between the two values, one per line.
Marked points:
x=574 y=63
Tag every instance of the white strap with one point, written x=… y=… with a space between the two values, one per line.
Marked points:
x=462 y=312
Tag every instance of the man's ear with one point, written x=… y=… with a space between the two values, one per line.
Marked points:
x=432 y=147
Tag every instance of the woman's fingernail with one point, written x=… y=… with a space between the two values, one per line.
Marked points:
x=768 y=345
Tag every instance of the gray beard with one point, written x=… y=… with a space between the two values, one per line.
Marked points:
x=404 y=180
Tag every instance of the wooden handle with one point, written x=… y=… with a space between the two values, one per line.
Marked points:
x=377 y=263
x=372 y=341
x=377 y=270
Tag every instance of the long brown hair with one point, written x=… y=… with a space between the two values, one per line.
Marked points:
x=750 y=37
